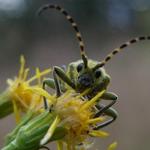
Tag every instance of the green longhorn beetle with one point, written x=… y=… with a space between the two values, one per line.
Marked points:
x=86 y=73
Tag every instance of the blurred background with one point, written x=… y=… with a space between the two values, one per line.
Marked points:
x=49 y=40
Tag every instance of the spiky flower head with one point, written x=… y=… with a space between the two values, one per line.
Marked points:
x=22 y=99
x=77 y=115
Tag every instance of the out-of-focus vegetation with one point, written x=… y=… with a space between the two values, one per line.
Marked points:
x=21 y=28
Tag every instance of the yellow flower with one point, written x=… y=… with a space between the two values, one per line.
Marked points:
x=76 y=114
x=22 y=99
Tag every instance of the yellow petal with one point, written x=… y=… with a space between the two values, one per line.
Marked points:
x=91 y=102
x=113 y=146
x=98 y=133
x=83 y=93
x=35 y=102
x=96 y=120
x=39 y=75
x=22 y=102
x=26 y=74
x=50 y=131
x=9 y=81
x=59 y=145
x=41 y=92
x=16 y=112
x=22 y=62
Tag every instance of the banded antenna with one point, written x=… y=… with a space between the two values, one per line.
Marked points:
x=74 y=25
x=117 y=50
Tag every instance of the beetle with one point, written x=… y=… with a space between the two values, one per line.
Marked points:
x=86 y=73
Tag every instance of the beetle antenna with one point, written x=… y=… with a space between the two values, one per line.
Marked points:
x=74 y=25
x=117 y=50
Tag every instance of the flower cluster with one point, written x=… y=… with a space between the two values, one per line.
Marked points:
x=76 y=115
x=22 y=99
x=73 y=113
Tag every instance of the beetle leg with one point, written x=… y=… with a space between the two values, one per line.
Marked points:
x=107 y=96
x=62 y=75
x=49 y=82
x=109 y=112
x=53 y=83
x=57 y=84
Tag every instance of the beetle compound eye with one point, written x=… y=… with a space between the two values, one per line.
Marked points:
x=97 y=73
x=79 y=67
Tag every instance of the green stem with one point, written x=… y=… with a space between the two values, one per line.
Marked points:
x=6 y=106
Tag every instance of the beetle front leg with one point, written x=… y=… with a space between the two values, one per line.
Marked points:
x=57 y=84
x=62 y=75
x=50 y=83
x=109 y=112
x=53 y=83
